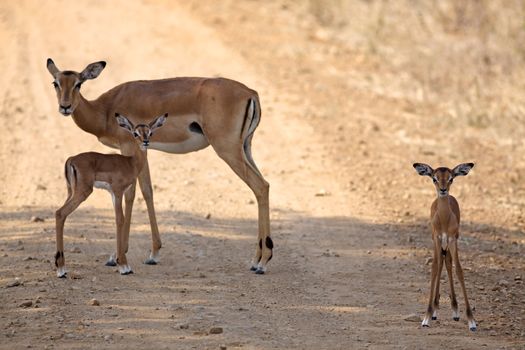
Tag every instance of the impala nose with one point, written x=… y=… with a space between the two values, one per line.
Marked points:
x=65 y=110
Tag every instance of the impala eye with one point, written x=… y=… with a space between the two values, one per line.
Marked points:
x=136 y=133
x=451 y=180
x=78 y=85
x=55 y=84
x=434 y=180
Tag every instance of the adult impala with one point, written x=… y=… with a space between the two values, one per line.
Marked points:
x=203 y=111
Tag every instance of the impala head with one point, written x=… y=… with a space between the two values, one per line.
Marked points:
x=443 y=177
x=67 y=84
x=141 y=132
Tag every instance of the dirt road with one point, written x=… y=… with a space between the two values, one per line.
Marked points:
x=351 y=237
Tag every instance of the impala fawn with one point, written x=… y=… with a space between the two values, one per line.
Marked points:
x=444 y=218
x=113 y=172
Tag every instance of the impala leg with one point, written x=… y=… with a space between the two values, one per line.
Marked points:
x=453 y=300
x=242 y=164
x=438 y=280
x=122 y=262
x=61 y=215
x=147 y=193
x=433 y=275
x=459 y=271
x=129 y=196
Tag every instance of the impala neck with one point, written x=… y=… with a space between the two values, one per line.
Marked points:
x=138 y=160
x=90 y=117
x=443 y=208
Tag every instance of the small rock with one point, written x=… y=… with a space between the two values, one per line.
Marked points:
x=369 y=252
x=250 y=201
x=322 y=193
x=413 y=318
x=503 y=283
x=75 y=276
x=36 y=219
x=94 y=302
x=40 y=187
x=216 y=330
x=27 y=258
x=75 y=250
x=429 y=261
x=184 y=326
x=14 y=283
x=222 y=347
x=208 y=216
x=517 y=278
x=26 y=304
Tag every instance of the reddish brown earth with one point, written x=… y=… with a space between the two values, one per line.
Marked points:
x=352 y=95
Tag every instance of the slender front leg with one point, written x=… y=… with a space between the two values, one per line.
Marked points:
x=147 y=193
x=122 y=262
x=459 y=271
x=453 y=300
x=438 y=280
x=433 y=276
x=129 y=197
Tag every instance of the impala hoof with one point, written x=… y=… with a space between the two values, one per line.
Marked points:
x=473 y=329
x=434 y=318
x=455 y=318
x=153 y=259
x=259 y=271
x=150 y=261
x=125 y=270
x=112 y=261
x=61 y=272
x=425 y=326
x=253 y=268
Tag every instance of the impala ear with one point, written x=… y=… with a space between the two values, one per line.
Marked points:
x=158 y=122
x=423 y=169
x=92 y=70
x=462 y=169
x=124 y=122
x=51 y=67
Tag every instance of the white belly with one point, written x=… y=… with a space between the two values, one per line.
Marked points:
x=194 y=143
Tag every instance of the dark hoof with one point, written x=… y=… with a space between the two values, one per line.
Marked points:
x=111 y=263
x=253 y=268
x=63 y=276
x=434 y=318
x=150 y=262
x=259 y=272
x=455 y=318
x=426 y=326
x=127 y=272
x=473 y=329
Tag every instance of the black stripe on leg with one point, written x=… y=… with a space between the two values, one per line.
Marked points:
x=269 y=243
x=270 y=258
x=443 y=252
x=469 y=313
x=260 y=244
x=57 y=256
x=454 y=304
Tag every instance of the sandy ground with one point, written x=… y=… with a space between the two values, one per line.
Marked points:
x=349 y=214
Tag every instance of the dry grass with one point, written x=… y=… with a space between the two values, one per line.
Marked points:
x=465 y=58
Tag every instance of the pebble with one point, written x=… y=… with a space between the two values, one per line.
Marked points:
x=413 y=318
x=216 y=330
x=75 y=250
x=14 y=283
x=184 y=326
x=36 y=219
x=94 y=302
x=429 y=261
x=75 y=276
x=222 y=347
x=26 y=304
x=208 y=216
x=322 y=193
